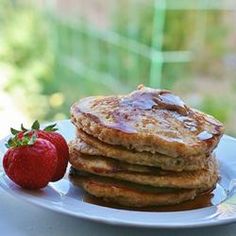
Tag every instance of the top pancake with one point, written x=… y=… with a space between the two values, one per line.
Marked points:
x=148 y=120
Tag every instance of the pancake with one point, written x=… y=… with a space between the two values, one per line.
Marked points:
x=128 y=194
x=103 y=166
x=93 y=146
x=148 y=120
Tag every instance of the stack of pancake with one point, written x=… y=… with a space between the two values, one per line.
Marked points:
x=147 y=148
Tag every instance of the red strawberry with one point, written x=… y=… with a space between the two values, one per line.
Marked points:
x=56 y=139
x=30 y=161
x=62 y=151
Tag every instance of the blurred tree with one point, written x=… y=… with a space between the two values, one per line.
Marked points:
x=25 y=53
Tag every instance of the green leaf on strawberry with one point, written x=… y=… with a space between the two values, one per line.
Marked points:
x=23 y=128
x=14 y=131
x=51 y=128
x=32 y=139
x=35 y=125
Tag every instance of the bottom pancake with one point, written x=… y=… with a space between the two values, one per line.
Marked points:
x=129 y=194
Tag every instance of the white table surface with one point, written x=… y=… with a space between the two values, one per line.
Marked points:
x=20 y=218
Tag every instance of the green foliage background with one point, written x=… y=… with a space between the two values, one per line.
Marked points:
x=34 y=45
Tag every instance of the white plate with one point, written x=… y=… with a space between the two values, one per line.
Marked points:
x=62 y=197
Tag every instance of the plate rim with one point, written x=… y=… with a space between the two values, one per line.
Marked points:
x=116 y=222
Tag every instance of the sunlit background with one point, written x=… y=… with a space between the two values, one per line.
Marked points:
x=54 y=52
